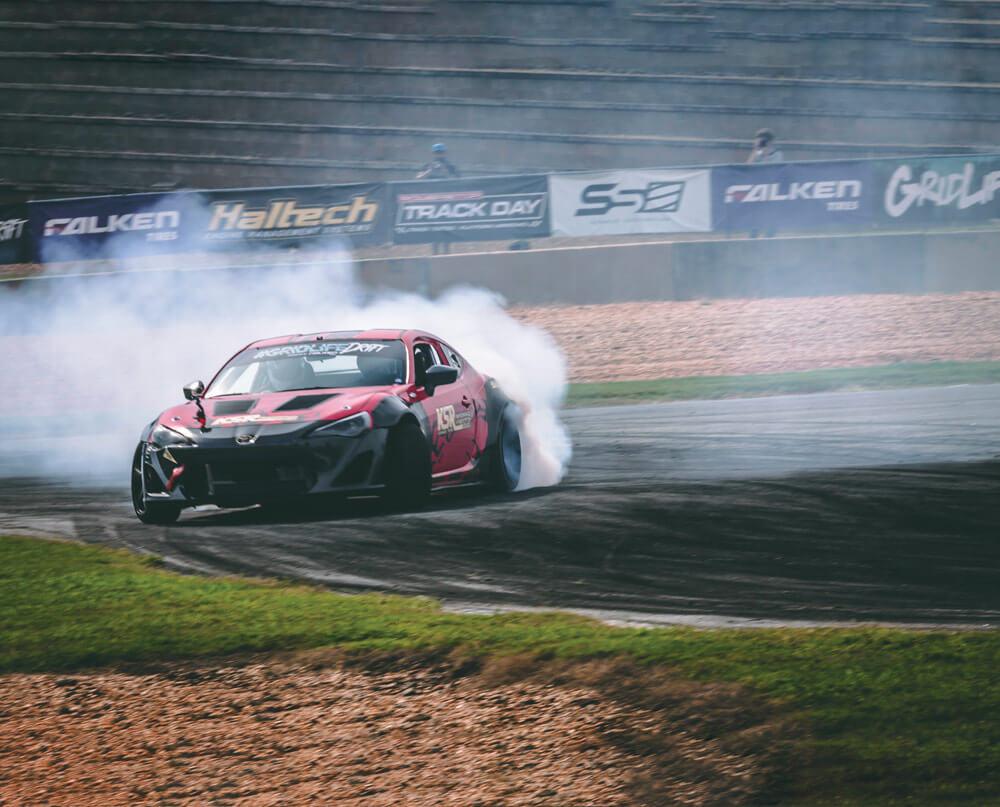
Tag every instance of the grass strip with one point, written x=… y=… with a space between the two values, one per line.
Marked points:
x=889 y=376
x=896 y=717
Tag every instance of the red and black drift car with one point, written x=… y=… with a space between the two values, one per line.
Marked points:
x=387 y=411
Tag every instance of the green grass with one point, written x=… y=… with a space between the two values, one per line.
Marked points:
x=895 y=717
x=888 y=376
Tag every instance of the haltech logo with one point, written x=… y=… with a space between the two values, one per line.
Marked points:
x=287 y=215
x=449 y=423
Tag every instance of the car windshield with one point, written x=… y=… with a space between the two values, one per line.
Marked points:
x=318 y=364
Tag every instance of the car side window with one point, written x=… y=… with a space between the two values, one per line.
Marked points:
x=423 y=357
x=452 y=358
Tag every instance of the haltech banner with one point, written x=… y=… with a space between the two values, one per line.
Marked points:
x=304 y=215
x=486 y=209
x=618 y=202
x=788 y=195
x=937 y=190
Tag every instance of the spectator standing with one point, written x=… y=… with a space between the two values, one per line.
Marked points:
x=764 y=150
x=440 y=167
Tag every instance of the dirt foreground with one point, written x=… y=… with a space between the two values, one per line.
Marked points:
x=305 y=732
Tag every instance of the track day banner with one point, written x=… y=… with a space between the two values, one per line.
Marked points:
x=15 y=244
x=789 y=195
x=484 y=209
x=622 y=202
x=937 y=190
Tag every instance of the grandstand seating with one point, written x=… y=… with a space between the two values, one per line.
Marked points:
x=104 y=96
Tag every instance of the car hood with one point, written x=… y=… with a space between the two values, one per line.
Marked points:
x=272 y=408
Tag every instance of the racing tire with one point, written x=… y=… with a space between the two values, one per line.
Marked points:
x=407 y=467
x=149 y=512
x=505 y=472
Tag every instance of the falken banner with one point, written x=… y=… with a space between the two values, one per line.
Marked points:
x=790 y=195
x=109 y=226
x=622 y=202
x=15 y=244
x=484 y=209
x=306 y=216
x=937 y=190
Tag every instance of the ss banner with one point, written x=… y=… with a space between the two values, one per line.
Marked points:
x=485 y=209
x=306 y=216
x=937 y=190
x=15 y=246
x=621 y=202
x=788 y=195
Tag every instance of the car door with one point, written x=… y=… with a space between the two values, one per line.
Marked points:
x=451 y=412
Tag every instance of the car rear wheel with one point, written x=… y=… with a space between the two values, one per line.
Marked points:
x=407 y=467
x=506 y=468
x=146 y=511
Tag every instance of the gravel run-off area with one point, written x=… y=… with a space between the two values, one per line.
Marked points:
x=632 y=341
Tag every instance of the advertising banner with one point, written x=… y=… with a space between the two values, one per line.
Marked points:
x=789 y=195
x=109 y=226
x=485 y=209
x=937 y=190
x=306 y=216
x=622 y=202
x=15 y=244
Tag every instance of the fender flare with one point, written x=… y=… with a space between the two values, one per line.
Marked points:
x=391 y=410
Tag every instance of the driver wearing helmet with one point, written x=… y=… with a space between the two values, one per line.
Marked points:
x=377 y=371
x=281 y=375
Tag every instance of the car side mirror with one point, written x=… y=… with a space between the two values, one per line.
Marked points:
x=438 y=375
x=194 y=390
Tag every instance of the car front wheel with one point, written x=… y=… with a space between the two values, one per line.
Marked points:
x=146 y=511
x=407 y=467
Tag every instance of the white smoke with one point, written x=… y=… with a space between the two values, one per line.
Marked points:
x=88 y=361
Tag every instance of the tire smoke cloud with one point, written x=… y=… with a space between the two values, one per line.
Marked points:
x=89 y=360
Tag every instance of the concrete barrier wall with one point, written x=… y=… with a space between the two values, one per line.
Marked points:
x=748 y=268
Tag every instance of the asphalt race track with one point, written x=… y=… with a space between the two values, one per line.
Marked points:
x=872 y=506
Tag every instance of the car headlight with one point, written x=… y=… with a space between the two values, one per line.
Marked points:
x=163 y=436
x=345 y=427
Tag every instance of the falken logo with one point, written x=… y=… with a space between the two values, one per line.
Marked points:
x=126 y=222
x=833 y=189
x=448 y=422
x=656 y=197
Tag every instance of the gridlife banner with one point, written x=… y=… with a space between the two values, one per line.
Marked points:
x=937 y=190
